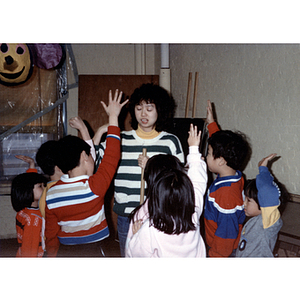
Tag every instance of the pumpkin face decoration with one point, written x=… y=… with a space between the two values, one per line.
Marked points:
x=15 y=63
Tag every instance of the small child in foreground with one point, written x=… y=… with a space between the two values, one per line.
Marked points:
x=262 y=200
x=167 y=223
x=26 y=190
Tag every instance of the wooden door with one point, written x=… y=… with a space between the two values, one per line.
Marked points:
x=94 y=88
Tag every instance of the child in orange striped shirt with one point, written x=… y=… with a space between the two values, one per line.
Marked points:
x=26 y=191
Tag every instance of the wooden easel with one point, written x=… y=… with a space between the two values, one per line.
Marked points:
x=143 y=180
x=188 y=95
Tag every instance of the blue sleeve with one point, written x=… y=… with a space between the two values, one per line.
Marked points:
x=268 y=191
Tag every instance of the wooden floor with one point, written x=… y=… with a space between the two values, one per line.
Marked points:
x=8 y=248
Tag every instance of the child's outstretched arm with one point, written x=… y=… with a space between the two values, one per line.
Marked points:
x=100 y=131
x=268 y=193
x=197 y=168
x=209 y=113
x=106 y=170
x=194 y=138
x=114 y=107
x=264 y=161
x=77 y=123
x=28 y=160
x=212 y=125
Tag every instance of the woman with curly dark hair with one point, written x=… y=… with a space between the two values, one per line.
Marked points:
x=152 y=111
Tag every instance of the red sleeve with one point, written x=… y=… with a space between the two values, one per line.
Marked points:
x=212 y=128
x=101 y=180
x=51 y=231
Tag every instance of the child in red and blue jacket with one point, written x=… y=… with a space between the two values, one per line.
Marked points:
x=224 y=212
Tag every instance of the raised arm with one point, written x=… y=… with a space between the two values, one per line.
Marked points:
x=77 y=123
x=114 y=107
x=211 y=123
x=268 y=193
x=194 y=138
x=209 y=113
x=100 y=131
x=27 y=159
x=197 y=167
x=264 y=161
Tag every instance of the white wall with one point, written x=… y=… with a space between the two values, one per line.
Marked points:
x=255 y=89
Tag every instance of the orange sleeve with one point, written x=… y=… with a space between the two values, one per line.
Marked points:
x=31 y=170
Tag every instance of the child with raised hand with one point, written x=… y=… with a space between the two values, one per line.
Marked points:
x=223 y=212
x=47 y=157
x=262 y=200
x=26 y=190
x=151 y=109
x=167 y=223
x=75 y=218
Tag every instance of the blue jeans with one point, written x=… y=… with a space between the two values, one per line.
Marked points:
x=123 y=227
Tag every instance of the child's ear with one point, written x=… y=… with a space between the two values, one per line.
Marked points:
x=222 y=161
x=83 y=156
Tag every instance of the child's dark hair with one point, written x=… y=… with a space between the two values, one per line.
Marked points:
x=232 y=146
x=47 y=157
x=171 y=202
x=165 y=105
x=250 y=190
x=159 y=163
x=22 y=189
x=70 y=149
x=160 y=171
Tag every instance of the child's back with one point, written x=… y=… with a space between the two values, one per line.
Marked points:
x=25 y=192
x=224 y=213
x=75 y=204
x=158 y=238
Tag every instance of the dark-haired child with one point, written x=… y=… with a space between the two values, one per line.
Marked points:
x=75 y=218
x=151 y=109
x=48 y=154
x=26 y=190
x=262 y=199
x=224 y=212
x=167 y=223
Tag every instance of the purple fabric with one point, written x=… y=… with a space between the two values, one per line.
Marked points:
x=46 y=56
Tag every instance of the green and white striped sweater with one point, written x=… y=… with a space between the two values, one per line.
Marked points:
x=127 y=182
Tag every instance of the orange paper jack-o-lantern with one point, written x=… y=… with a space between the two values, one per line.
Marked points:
x=15 y=63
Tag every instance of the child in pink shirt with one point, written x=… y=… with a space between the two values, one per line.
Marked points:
x=167 y=223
